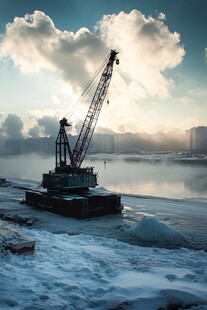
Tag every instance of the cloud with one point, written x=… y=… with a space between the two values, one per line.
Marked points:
x=147 y=49
x=190 y=122
x=34 y=43
x=186 y=100
x=161 y=16
x=12 y=127
x=34 y=132
x=45 y=126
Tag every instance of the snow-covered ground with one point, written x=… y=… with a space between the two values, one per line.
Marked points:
x=151 y=256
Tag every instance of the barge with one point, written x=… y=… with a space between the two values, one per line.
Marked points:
x=88 y=204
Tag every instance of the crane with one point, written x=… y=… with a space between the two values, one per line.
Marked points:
x=70 y=176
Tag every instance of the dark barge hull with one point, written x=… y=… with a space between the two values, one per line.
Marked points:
x=88 y=204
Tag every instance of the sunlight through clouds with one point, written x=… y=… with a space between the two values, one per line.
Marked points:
x=146 y=47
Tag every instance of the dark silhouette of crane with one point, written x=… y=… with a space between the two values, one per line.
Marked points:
x=70 y=176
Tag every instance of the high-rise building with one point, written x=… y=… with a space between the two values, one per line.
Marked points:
x=45 y=145
x=196 y=139
x=103 y=143
x=126 y=143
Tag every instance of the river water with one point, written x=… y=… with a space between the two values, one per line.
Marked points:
x=124 y=174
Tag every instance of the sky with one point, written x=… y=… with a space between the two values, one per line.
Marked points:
x=50 y=49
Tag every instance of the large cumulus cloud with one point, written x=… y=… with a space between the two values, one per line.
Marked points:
x=45 y=126
x=34 y=43
x=146 y=45
x=147 y=49
x=12 y=127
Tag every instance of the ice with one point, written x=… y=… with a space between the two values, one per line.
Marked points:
x=98 y=264
x=151 y=229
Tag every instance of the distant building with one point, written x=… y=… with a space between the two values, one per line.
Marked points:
x=171 y=141
x=13 y=146
x=126 y=143
x=45 y=145
x=196 y=139
x=102 y=143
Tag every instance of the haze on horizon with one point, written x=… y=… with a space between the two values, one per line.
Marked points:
x=48 y=55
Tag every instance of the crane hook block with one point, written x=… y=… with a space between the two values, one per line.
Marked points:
x=117 y=61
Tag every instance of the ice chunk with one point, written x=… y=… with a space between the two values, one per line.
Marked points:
x=151 y=229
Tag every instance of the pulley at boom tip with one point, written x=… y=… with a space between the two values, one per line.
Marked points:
x=113 y=56
x=64 y=122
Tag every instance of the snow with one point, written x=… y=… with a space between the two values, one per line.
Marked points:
x=151 y=256
x=87 y=272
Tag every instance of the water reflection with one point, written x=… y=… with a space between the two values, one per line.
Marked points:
x=172 y=179
x=198 y=183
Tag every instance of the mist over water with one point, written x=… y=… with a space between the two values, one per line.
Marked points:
x=26 y=166
x=155 y=178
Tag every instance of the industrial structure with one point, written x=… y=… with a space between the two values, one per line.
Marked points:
x=68 y=185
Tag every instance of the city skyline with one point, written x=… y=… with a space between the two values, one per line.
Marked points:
x=49 y=51
x=100 y=143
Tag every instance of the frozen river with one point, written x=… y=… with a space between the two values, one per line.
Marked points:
x=160 y=175
x=152 y=256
